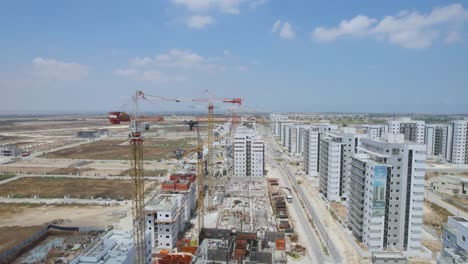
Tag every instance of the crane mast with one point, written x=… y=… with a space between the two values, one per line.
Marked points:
x=138 y=191
x=210 y=177
x=200 y=183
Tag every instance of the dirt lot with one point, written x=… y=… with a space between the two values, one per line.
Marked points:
x=432 y=245
x=76 y=215
x=339 y=209
x=11 y=235
x=435 y=216
x=50 y=187
x=120 y=150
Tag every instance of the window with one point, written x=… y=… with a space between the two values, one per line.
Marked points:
x=463 y=238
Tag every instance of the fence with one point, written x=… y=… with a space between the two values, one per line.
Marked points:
x=10 y=253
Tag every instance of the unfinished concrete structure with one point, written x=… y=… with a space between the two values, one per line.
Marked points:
x=169 y=213
x=228 y=246
x=116 y=247
x=246 y=206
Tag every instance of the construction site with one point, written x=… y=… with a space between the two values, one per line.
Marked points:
x=133 y=188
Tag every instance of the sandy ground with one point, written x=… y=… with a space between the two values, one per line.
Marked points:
x=95 y=216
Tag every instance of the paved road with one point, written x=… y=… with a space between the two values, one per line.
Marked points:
x=335 y=256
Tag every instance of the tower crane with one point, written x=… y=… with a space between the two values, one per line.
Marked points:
x=136 y=173
x=210 y=102
x=116 y=117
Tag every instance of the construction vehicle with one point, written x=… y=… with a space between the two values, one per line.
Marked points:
x=289 y=197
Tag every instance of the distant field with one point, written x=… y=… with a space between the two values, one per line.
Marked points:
x=115 y=150
x=6 y=176
x=51 y=187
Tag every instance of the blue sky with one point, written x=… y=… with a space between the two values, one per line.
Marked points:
x=350 y=56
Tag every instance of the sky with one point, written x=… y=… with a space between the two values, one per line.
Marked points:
x=295 y=56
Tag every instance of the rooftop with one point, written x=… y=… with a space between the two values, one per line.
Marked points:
x=113 y=247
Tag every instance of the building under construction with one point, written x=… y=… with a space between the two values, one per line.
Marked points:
x=168 y=214
x=229 y=246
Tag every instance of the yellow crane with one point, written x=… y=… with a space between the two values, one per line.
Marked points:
x=138 y=191
x=210 y=138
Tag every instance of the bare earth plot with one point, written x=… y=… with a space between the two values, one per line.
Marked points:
x=435 y=216
x=50 y=187
x=25 y=215
x=11 y=235
x=120 y=150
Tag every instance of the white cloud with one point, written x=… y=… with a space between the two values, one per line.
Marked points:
x=224 y=6
x=243 y=68
x=452 y=37
x=174 y=65
x=285 y=29
x=57 y=70
x=257 y=3
x=199 y=22
x=359 y=25
x=180 y=59
x=406 y=29
x=276 y=26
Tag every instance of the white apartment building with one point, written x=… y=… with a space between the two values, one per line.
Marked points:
x=293 y=138
x=455 y=242
x=438 y=138
x=412 y=129
x=386 y=193
x=373 y=131
x=330 y=168
x=275 y=123
x=248 y=153
x=337 y=148
x=311 y=151
x=311 y=144
x=458 y=150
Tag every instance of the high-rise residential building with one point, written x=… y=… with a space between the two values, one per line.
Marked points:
x=412 y=129
x=438 y=138
x=458 y=149
x=311 y=151
x=336 y=149
x=373 y=131
x=311 y=145
x=293 y=138
x=386 y=193
x=275 y=123
x=248 y=153
x=455 y=241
